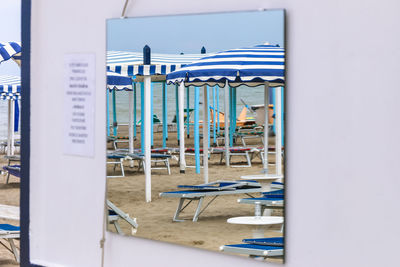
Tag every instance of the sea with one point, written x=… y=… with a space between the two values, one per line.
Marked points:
x=250 y=95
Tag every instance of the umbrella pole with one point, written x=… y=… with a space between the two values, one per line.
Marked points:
x=131 y=148
x=142 y=115
x=205 y=132
x=12 y=126
x=218 y=122
x=208 y=115
x=147 y=135
x=9 y=129
x=114 y=113
x=187 y=112
x=213 y=119
x=152 y=114
x=181 y=98
x=108 y=112
x=177 y=113
x=266 y=116
x=196 y=129
x=226 y=122
x=164 y=108
x=134 y=108
x=278 y=135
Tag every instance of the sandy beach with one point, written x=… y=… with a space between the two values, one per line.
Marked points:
x=155 y=218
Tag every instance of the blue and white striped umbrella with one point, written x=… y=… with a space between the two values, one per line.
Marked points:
x=10 y=87
x=118 y=82
x=131 y=63
x=10 y=50
x=250 y=66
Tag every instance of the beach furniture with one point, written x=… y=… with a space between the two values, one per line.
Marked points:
x=14 y=170
x=264 y=179
x=233 y=152
x=270 y=200
x=261 y=223
x=257 y=247
x=115 y=214
x=156 y=158
x=9 y=233
x=214 y=190
x=116 y=159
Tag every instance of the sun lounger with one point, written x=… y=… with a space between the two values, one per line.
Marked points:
x=270 y=241
x=116 y=159
x=9 y=233
x=14 y=170
x=235 y=151
x=214 y=189
x=253 y=250
x=115 y=214
x=270 y=200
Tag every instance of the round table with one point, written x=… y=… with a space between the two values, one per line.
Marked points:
x=261 y=222
x=264 y=179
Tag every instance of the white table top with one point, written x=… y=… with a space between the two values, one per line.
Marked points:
x=253 y=220
x=264 y=176
x=9 y=212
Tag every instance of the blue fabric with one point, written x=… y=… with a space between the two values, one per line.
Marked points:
x=8 y=50
x=251 y=66
x=274 y=194
x=272 y=241
x=9 y=227
x=117 y=81
x=13 y=170
x=16 y=116
x=252 y=246
x=10 y=87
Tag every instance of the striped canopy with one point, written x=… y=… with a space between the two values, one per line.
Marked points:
x=118 y=82
x=10 y=87
x=131 y=63
x=250 y=66
x=10 y=50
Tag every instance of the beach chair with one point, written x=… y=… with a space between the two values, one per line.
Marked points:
x=9 y=233
x=116 y=159
x=214 y=190
x=269 y=200
x=257 y=247
x=233 y=152
x=115 y=214
x=191 y=153
x=14 y=170
x=156 y=158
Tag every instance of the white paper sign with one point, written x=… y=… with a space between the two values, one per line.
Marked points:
x=79 y=104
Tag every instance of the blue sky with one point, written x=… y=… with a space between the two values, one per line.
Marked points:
x=188 y=33
x=10 y=30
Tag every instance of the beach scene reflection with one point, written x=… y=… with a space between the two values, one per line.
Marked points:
x=195 y=131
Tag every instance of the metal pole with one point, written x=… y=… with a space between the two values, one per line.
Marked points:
x=177 y=113
x=142 y=115
x=214 y=119
x=196 y=129
x=266 y=116
x=206 y=123
x=131 y=122
x=226 y=122
x=181 y=98
x=164 y=113
x=278 y=135
x=147 y=135
x=134 y=108
x=188 y=112
x=218 y=122
x=108 y=111
x=115 y=123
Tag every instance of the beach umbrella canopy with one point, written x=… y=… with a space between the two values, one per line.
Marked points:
x=131 y=63
x=116 y=81
x=251 y=66
x=10 y=87
x=10 y=50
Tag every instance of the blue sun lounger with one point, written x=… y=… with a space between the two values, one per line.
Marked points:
x=271 y=200
x=214 y=189
x=14 y=170
x=257 y=247
x=10 y=232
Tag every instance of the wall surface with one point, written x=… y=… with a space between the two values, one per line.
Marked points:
x=342 y=136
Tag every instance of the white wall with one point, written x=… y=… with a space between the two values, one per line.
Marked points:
x=342 y=136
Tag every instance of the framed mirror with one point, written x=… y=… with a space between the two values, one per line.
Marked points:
x=195 y=116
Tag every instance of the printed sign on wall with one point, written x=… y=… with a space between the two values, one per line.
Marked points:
x=79 y=104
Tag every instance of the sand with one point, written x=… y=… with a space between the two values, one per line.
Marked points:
x=155 y=218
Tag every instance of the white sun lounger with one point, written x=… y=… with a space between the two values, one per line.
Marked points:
x=114 y=214
x=215 y=189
